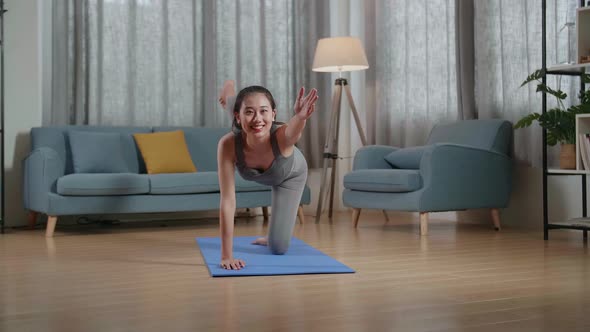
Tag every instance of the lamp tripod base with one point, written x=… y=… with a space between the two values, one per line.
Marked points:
x=331 y=145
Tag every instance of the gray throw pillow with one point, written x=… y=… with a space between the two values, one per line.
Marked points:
x=97 y=152
x=406 y=158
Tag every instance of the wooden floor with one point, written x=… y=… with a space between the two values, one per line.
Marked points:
x=144 y=277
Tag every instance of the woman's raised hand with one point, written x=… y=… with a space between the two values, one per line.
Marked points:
x=228 y=90
x=305 y=105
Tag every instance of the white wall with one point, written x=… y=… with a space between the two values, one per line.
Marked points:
x=23 y=101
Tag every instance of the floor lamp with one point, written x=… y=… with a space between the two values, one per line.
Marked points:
x=337 y=55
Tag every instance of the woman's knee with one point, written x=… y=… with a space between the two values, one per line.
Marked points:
x=278 y=248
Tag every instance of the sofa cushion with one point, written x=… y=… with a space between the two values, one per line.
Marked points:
x=97 y=152
x=184 y=183
x=383 y=180
x=406 y=158
x=165 y=152
x=202 y=144
x=193 y=183
x=103 y=184
x=245 y=185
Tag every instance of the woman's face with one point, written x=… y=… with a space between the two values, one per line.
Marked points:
x=256 y=115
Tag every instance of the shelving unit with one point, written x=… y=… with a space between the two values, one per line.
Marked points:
x=558 y=171
x=582 y=122
x=2 y=170
x=575 y=69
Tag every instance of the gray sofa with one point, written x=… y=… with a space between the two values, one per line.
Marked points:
x=52 y=187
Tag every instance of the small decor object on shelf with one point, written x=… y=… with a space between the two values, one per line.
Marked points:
x=560 y=122
x=567 y=156
x=583 y=144
x=567 y=44
x=583 y=37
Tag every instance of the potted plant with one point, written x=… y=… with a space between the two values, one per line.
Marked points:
x=560 y=122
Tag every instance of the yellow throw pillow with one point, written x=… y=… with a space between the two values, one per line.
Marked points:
x=165 y=152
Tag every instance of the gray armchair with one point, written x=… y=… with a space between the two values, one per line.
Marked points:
x=464 y=165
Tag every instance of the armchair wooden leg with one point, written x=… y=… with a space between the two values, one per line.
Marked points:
x=355 y=217
x=386 y=216
x=265 y=212
x=51 y=221
x=496 y=219
x=423 y=223
x=301 y=215
x=32 y=218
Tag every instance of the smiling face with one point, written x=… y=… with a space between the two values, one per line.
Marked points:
x=256 y=115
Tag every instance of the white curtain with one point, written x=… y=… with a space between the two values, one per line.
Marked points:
x=148 y=62
x=507 y=50
x=412 y=82
x=162 y=62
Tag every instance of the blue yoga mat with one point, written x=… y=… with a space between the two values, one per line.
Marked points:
x=301 y=258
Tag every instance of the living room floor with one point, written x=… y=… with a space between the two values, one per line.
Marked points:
x=144 y=277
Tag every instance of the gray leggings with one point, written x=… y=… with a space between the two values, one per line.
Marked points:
x=285 y=200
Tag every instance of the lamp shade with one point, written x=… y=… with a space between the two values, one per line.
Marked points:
x=339 y=54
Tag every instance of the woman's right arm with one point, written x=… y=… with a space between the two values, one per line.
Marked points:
x=227 y=205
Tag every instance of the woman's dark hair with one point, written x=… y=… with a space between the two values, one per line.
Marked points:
x=246 y=92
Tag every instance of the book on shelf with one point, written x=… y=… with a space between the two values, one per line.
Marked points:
x=584 y=140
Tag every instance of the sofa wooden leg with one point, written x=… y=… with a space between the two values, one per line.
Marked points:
x=32 y=218
x=355 y=217
x=423 y=223
x=496 y=218
x=301 y=215
x=51 y=221
x=265 y=212
x=386 y=216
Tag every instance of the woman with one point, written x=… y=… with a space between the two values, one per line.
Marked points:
x=265 y=152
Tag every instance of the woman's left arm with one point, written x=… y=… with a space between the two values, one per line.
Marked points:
x=303 y=108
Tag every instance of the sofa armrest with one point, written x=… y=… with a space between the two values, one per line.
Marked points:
x=42 y=167
x=372 y=157
x=459 y=177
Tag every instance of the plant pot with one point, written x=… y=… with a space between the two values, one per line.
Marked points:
x=567 y=156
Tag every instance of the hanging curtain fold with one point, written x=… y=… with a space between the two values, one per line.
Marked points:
x=157 y=63
x=507 y=49
x=412 y=82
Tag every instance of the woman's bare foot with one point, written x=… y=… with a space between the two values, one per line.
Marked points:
x=261 y=241
x=228 y=90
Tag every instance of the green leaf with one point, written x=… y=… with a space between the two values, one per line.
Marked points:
x=585 y=97
x=537 y=75
x=559 y=123
x=527 y=120
x=551 y=139
x=556 y=93
x=579 y=109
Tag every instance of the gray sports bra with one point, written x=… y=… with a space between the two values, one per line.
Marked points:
x=278 y=171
